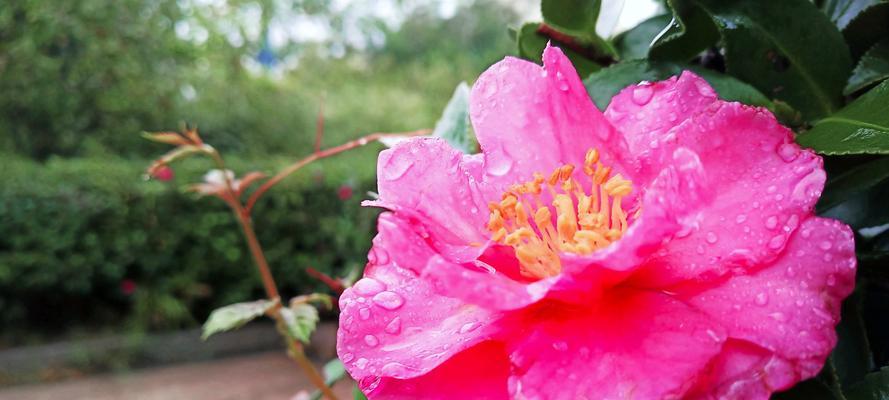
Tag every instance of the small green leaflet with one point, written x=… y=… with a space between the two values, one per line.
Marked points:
x=234 y=316
x=301 y=320
x=453 y=126
x=872 y=68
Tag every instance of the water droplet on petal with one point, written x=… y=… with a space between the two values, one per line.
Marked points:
x=711 y=237
x=364 y=313
x=347 y=357
x=761 y=299
x=389 y=300
x=368 y=286
x=825 y=245
x=361 y=363
x=371 y=340
x=778 y=316
x=499 y=165
x=788 y=152
x=642 y=93
x=740 y=218
x=394 y=326
x=396 y=370
x=776 y=242
x=560 y=345
x=469 y=327
x=772 y=222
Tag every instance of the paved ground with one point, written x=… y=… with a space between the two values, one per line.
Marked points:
x=265 y=376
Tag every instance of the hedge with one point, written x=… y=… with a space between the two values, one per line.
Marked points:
x=88 y=243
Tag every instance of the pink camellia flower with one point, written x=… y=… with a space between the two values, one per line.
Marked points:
x=163 y=173
x=344 y=192
x=665 y=249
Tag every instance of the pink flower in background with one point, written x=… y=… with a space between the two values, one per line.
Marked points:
x=344 y=192
x=664 y=249
x=163 y=173
x=128 y=287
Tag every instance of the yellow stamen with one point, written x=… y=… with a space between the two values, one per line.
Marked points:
x=584 y=222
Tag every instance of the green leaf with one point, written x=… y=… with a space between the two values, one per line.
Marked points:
x=867 y=28
x=860 y=178
x=357 y=395
x=862 y=127
x=872 y=68
x=779 y=48
x=634 y=43
x=811 y=389
x=874 y=387
x=852 y=355
x=234 y=316
x=603 y=85
x=690 y=32
x=453 y=126
x=531 y=44
x=574 y=17
x=300 y=321
x=841 y=12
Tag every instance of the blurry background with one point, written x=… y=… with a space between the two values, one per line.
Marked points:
x=101 y=270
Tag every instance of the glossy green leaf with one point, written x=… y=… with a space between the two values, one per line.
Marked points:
x=531 y=44
x=867 y=28
x=634 y=43
x=575 y=17
x=811 y=389
x=841 y=12
x=874 y=387
x=872 y=68
x=860 y=178
x=862 y=127
x=300 y=321
x=691 y=31
x=603 y=85
x=453 y=126
x=357 y=395
x=234 y=316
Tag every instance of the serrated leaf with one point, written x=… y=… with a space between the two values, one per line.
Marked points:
x=531 y=44
x=575 y=17
x=874 y=387
x=811 y=389
x=453 y=126
x=234 y=316
x=862 y=127
x=300 y=321
x=634 y=43
x=789 y=50
x=872 y=68
x=690 y=31
x=841 y=12
x=855 y=180
x=603 y=85
x=867 y=28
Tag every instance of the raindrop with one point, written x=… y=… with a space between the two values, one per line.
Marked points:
x=642 y=93
x=369 y=286
x=711 y=238
x=364 y=313
x=389 y=300
x=394 y=327
x=761 y=299
x=776 y=242
x=499 y=165
x=560 y=345
x=371 y=340
x=772 y=222
x=825 y=245
x=347 y=357
x=361 y=363
x=396 y=370
x=469 y=327
x=396 y=167
x=788 y=152
x=740 y=218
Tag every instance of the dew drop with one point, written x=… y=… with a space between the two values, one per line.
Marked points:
x=361 y=363
x=712 y=238
x=347 y=357
x=499 y=165
x=772 y=222
x=776 y=242
x=740 y=218
x=382 y=256
x=825 y=245
x=369 y=286
x=642 y=93
x=560 y=345
x=371 y=340
x=364 y=313
x=761 y=299
x=778 y=316
x=394 y=326
x=396 y=370
x=788 y=152
x=469 y=327
x=389 y=300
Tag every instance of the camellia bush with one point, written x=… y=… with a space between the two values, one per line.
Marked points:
x=692 y=209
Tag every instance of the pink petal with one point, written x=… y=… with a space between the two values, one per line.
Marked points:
x=530 y=119
x=635 y=344
x=427 y=180
x=393 y=324
x=791 y=307
x=644 y=113
x=480 y=372
x=763 y=184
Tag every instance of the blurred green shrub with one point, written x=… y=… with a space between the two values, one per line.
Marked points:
x=87 y=243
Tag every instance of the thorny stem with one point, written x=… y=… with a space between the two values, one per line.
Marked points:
x=324 y=154
x=295 y=349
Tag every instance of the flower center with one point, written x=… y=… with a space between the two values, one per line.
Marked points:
x=584 y=221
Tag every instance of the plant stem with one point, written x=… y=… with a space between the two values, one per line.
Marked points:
x=295 y=348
